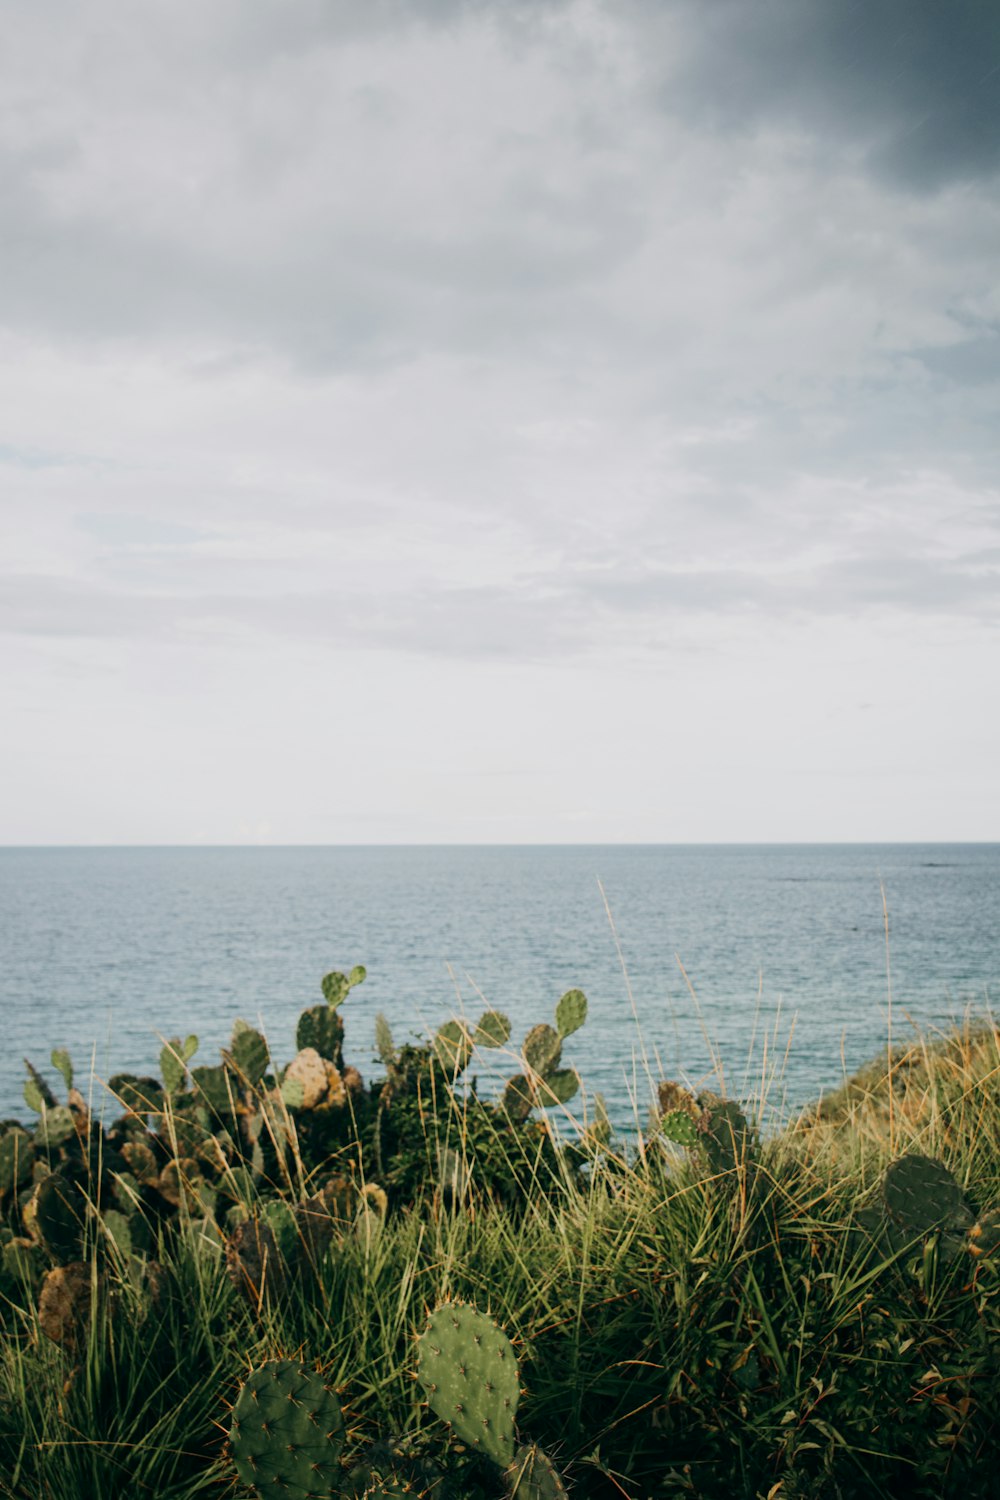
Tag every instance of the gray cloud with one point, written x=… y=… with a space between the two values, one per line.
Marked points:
x=914 y=82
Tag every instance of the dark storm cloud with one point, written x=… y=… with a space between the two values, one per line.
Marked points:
x=915 y=82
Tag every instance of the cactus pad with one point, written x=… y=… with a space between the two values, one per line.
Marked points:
x=323 y=1030
x=560 y=1086
x=336 y=988
x=517 y=1097
x=921 y=1194
x=678 y=1126
x=16 y=1157
x=724 y=1134
x=467 y=1368
x=57 y=1220
x=542 y=1048
x=533 y=1476
x=287 y=1433
x=249 y=1054
x=492 y=1029
x=571 y=1012
x=453 y=1047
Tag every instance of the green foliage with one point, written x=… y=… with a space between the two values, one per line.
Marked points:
x=287 y=1433
x=384 y=1044
x=533 y=1476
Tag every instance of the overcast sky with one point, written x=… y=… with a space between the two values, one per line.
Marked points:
x=435 y=421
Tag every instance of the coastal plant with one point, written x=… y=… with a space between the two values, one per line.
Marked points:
x=469 y=1374
x=543 y=1083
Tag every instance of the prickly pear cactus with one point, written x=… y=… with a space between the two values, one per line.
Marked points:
x=17 y=1156
x=255 y=1264
x=453 y=1047
x=517 y=1097
x=467 y=1368
x=558 y=1087
x=724 y=1134
x=533 y=1476
x=321 y=1029
x=678 y=1126
x=542 y=1048
x=55 y=1216
x=921 y=1195
x=287 y=1433
x=66 y=1302
x=492 y=1029
x=571 y=1012
x=249 y=1054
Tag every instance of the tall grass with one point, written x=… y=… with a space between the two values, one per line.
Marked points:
x=677 y=1335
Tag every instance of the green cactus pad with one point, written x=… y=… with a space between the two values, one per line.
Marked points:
x=17 y=1155
x=533 y=1476
x=492 y=1029
x=63 y=1063
x=542 y=1048
x=287 y=1433
x=571 y=1012
x=215 y=1087
x=335 y=987
x=559 y=1087
x=142 y=1096
x=358 y=975
x=37 y=1094
x=724 y=1134
x=518 y=1099
x=56 y=1126
x=678 y=1126
x=469 y=1374
x=58 y=1217
x=249 y=1051
x=453 y=1047
x=173 y=1068
x=921 y=1195
x=323 y=1030
x=283 y=1224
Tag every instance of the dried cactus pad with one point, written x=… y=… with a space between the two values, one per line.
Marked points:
x=287 y=1433
x=467 y=1368
x=921 y=1194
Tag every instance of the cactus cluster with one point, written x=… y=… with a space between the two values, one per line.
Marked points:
x=544 y=1082
x=713 y=1128
x=470 y=1377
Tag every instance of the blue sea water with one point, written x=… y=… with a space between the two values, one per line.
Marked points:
x=104 y=951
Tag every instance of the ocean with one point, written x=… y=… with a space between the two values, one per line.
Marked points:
x=771 y=960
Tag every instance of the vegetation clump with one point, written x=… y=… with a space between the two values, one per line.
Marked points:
x=256 y=1277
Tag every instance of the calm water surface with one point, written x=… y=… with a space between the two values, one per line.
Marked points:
x=104 y=950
